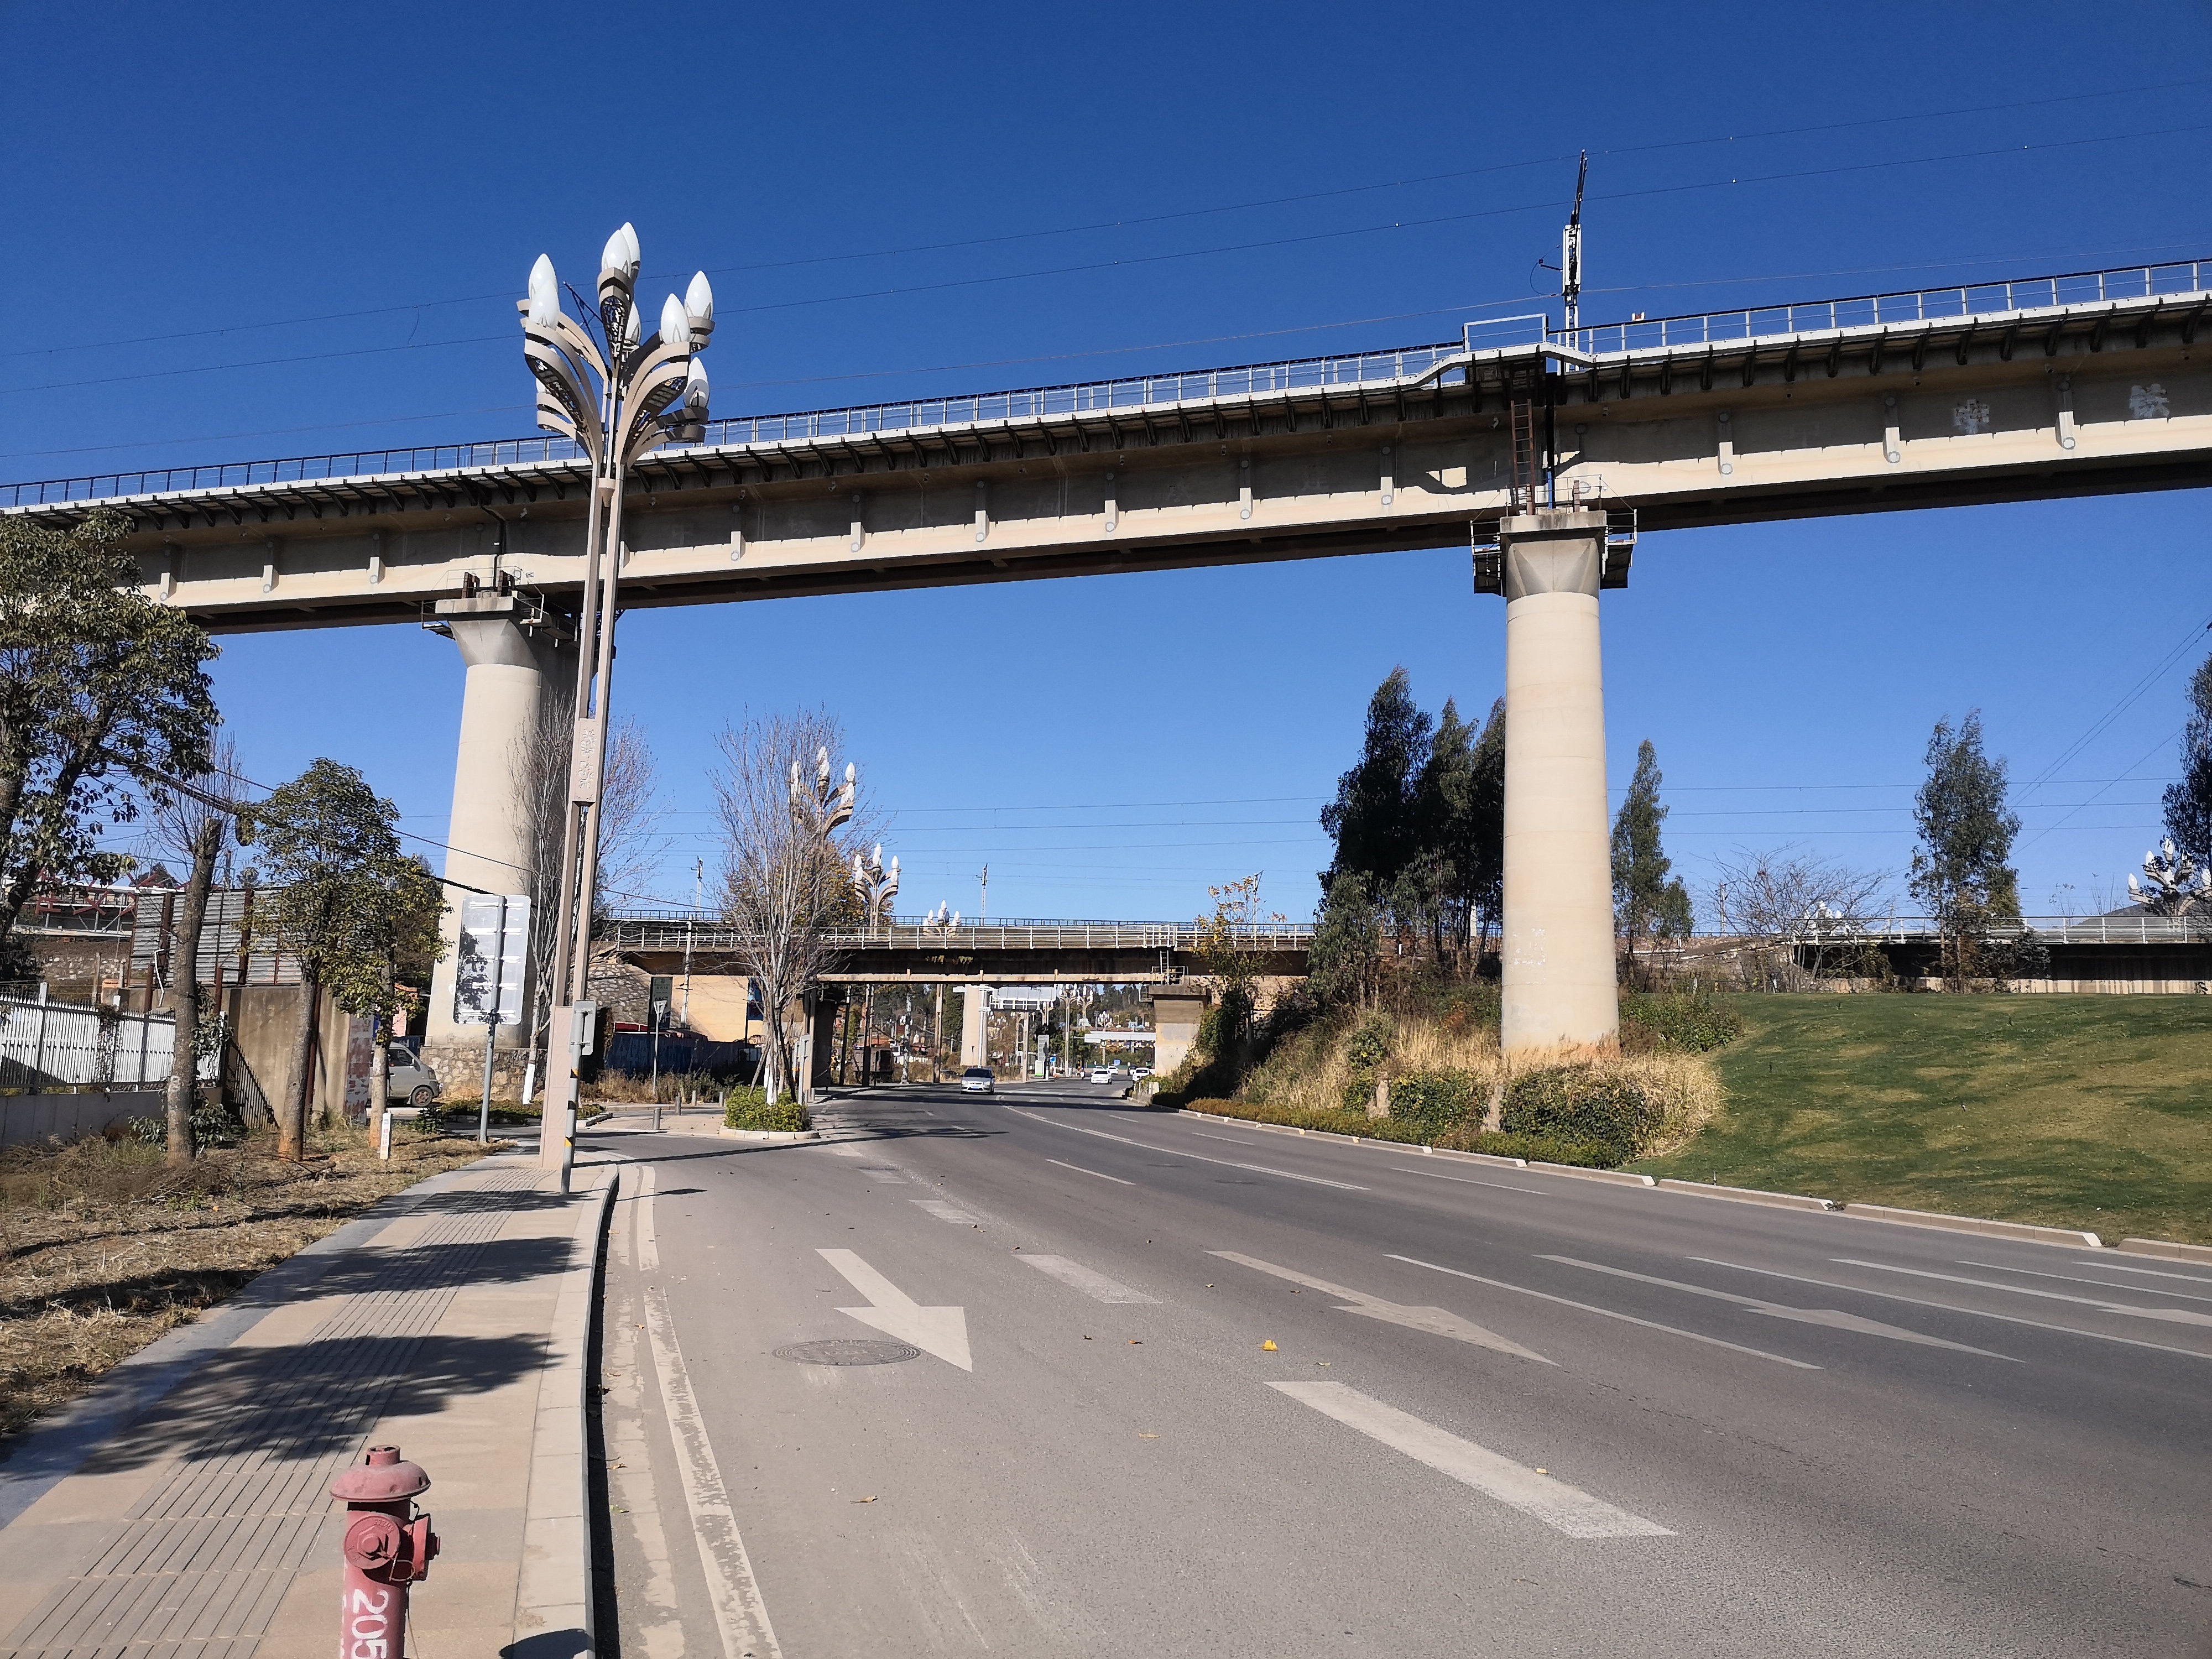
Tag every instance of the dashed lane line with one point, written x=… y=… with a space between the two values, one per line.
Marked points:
x=1563 y=1508
x=1437 y=1321
x=2171 y=1315
x=1092 y=1283
x=1101 y=1174
x=2076 y=1278
x=945 y=1212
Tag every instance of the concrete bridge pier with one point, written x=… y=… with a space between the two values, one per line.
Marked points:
x=513 y=673
x=1559 y=989
x=976 y=1025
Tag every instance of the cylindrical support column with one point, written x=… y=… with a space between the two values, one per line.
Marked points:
x=488 y=842
x=1559 y=990
x=976 y=1025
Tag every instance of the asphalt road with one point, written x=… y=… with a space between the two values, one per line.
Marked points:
x=1503 y=1412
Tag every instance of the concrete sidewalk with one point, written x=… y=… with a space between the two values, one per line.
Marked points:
x=181 y=1508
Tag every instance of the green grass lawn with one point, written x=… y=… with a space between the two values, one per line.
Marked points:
x=2074 y=1111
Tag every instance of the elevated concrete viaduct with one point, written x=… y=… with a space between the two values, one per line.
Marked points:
x=1547 y=457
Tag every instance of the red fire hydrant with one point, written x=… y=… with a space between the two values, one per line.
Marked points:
x=388 y=1548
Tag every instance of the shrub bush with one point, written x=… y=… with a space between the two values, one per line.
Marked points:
x=1690 y=1022
x=1369 y=1045
x=1435 y=1100
x=1607 y=1116
x=748 y=1109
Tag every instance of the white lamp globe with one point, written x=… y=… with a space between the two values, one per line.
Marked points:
x=675 y=324
x=545 y=293
x=695 y=390
x=699 y=300
x=621 y=257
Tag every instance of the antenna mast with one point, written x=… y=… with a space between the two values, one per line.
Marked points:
x=1571 y=254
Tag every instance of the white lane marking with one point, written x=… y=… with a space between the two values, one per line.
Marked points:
x=849 y=1151
x=1560 y=1506
x=1609 y=1312
x=1096 y=1286
x=1101 y=1174
x=1953 y=1307
x=2171 y=1315
x=1830 y=1316
x=2076 y=1278
x=739 y=1610
x=884 y=1177
x=2156 y=1273
x=939 y=1331
x=648 y=1237
x=945 y=1212
x=1201 y=1158
x=1436 y=1321
x=1473 y=1181
x=1234 y=1140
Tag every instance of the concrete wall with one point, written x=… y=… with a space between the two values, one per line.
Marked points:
x=717 y=1007
x=265 y=1021
x=25 y=1118
x=1177 y=1011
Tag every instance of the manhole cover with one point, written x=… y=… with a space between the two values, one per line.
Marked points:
x=848 y=1351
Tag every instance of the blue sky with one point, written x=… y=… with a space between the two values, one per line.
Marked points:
x=302 y=230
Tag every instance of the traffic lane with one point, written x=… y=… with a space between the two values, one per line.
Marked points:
x=1039 y=1453
x=1880 y=1261
x=1916 y=1443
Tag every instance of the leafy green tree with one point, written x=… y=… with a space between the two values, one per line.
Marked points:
x=1345 y=961
x=395 y=908
x=1373 y=819
x=97 y=683
x=2189 y=802
x=1960 y=869
x=342 y=894
x=1486 y=834
x=1647 y=903
x=192 y=819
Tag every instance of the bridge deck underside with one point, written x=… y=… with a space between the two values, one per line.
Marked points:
x=1008 y=967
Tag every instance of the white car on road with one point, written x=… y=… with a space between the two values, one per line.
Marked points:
x=977 y=1080
x=1101 y=1074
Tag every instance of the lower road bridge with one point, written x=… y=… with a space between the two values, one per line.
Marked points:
x=1017 y=951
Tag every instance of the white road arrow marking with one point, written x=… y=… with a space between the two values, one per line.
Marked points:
x=1833 y=1317
x=939 y=1331
x=1437 y=1321
x=2172 y=1316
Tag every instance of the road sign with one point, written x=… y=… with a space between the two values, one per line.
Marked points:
x=492 y=959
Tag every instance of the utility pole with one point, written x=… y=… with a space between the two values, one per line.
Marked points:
x=985 y=916
x=1571 y=254
x=698 y=877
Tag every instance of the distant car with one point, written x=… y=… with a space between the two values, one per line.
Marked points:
x=977 y=1080
x=1139 y=1074
x=1101 y=1074
x=411 y=1081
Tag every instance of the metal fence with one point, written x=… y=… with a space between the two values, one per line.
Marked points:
x=47 y=1045
x=1135 y=393
x=671 y=931
x=1904 y=309
x=2122 y=928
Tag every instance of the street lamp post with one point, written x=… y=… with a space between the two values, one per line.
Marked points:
x=618 y=405
x=877 y=887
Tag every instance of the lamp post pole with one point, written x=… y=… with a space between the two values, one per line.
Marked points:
x=877 y=887
x=618 y=406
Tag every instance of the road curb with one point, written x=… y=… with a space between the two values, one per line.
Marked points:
x=769 y=1137
x=1747 y=1194
x=1617 y=1177
x=2167 y=1249
x=556 y=1540
x=2070 y=1236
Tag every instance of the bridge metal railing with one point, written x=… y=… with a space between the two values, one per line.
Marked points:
x=1137 y=392
x=672 y=930
x=2137 y=927
x=1902 y=309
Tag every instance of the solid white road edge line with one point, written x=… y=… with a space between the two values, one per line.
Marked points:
x=648 y=1238
x=1608 y=1313
x=1101 y=1174
x=1094 y=1284
x=1198 y=1158
x=1953 y=1307
x=1832 y=1318
x=946 y=1211
x=1471 y=1181
x=1563 y=1508
x=739 y=1610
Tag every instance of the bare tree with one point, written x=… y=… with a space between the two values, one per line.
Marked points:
x=630 y=845
x=787 y=868
x=192 y=824
x=1804 y=912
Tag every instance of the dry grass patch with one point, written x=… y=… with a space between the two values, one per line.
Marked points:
x=105 y=1248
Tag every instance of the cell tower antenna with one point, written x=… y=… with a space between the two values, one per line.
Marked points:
x=1571 y=254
